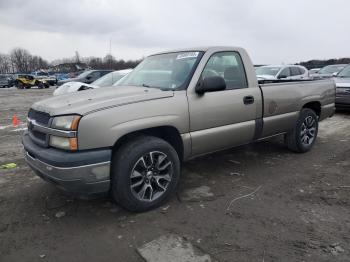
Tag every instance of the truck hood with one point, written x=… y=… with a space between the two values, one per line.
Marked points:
x=89 y=101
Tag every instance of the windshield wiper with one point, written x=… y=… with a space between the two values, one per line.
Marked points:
x=156 y=87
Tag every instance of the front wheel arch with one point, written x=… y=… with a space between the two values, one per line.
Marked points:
x=168 y=133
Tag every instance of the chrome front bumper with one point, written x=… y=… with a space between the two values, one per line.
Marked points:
x=83 y=173
x=83 y=180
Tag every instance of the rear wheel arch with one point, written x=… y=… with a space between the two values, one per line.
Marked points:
x=305 y=127
x=314 y=106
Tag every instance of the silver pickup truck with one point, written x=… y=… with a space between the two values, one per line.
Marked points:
x=129 y=140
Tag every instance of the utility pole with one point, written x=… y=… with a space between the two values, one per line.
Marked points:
x=110 y=46
x=110 y=53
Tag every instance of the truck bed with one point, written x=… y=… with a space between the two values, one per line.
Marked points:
x=283 y=100
x=272 y=81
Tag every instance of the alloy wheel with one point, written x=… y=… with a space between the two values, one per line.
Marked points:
x=308 y=131
x=151 y=176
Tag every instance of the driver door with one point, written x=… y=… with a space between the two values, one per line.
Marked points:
x=223 y=119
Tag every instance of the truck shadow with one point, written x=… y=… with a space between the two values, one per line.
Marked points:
x=345 y=112
x=220 y=168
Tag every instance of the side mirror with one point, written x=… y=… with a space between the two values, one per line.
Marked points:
x=88 y=77
x=335 y=74
x=211 y=84
x=282 y=76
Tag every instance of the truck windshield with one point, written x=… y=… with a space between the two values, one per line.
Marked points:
x=170 y=71
x=267 y=70
x=345 y=72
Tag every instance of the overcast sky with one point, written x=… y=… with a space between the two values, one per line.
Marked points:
x=273 y=31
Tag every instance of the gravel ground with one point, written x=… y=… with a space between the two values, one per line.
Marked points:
x=296 y=206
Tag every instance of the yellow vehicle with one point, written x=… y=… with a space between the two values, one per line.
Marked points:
x=28 y=81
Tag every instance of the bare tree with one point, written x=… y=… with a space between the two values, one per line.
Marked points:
x=24 y=62
x=5 y=64
x=21 y=59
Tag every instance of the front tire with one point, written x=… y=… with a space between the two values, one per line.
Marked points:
x=19 y=85
x=304 y=134
x=145 y=173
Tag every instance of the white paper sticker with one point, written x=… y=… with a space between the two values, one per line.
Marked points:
x=187 y=55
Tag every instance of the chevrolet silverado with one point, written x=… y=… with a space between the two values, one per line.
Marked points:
x=129 y=140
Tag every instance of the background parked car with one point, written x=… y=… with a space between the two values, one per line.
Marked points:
x=342 y=100
x=61 y=76
x=328 y=71
x=5 y=81
x=86 y=77
x=285 y=72
x=314 y=71
x=106 y=80
x=50 y=79
x=28 y=81
x=12 y=79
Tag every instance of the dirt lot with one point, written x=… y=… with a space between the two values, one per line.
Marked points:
x=299 y=209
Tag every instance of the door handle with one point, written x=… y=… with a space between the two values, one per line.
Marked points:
x=247 y=100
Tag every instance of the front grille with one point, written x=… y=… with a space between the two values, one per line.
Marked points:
x=42 y=119
x=39 y=117
x=39 y=135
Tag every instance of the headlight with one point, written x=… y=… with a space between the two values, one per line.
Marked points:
x=66 y=122
x=64 y=142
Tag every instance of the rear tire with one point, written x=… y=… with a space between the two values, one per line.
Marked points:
x=19 y=85
x=145 y=173
x=40 y=85
x=304 y=134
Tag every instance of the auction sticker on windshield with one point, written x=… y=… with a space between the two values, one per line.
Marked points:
x=187 y=55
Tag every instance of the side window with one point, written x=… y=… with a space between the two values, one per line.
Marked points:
x=302 y=70
x=102 y=73
x=284 y=73
x=95 y=75
x=228 y=65
x=295 y=71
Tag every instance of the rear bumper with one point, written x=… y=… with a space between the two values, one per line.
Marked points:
x=342 y=102
x=327 y=111
x=81 y=173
